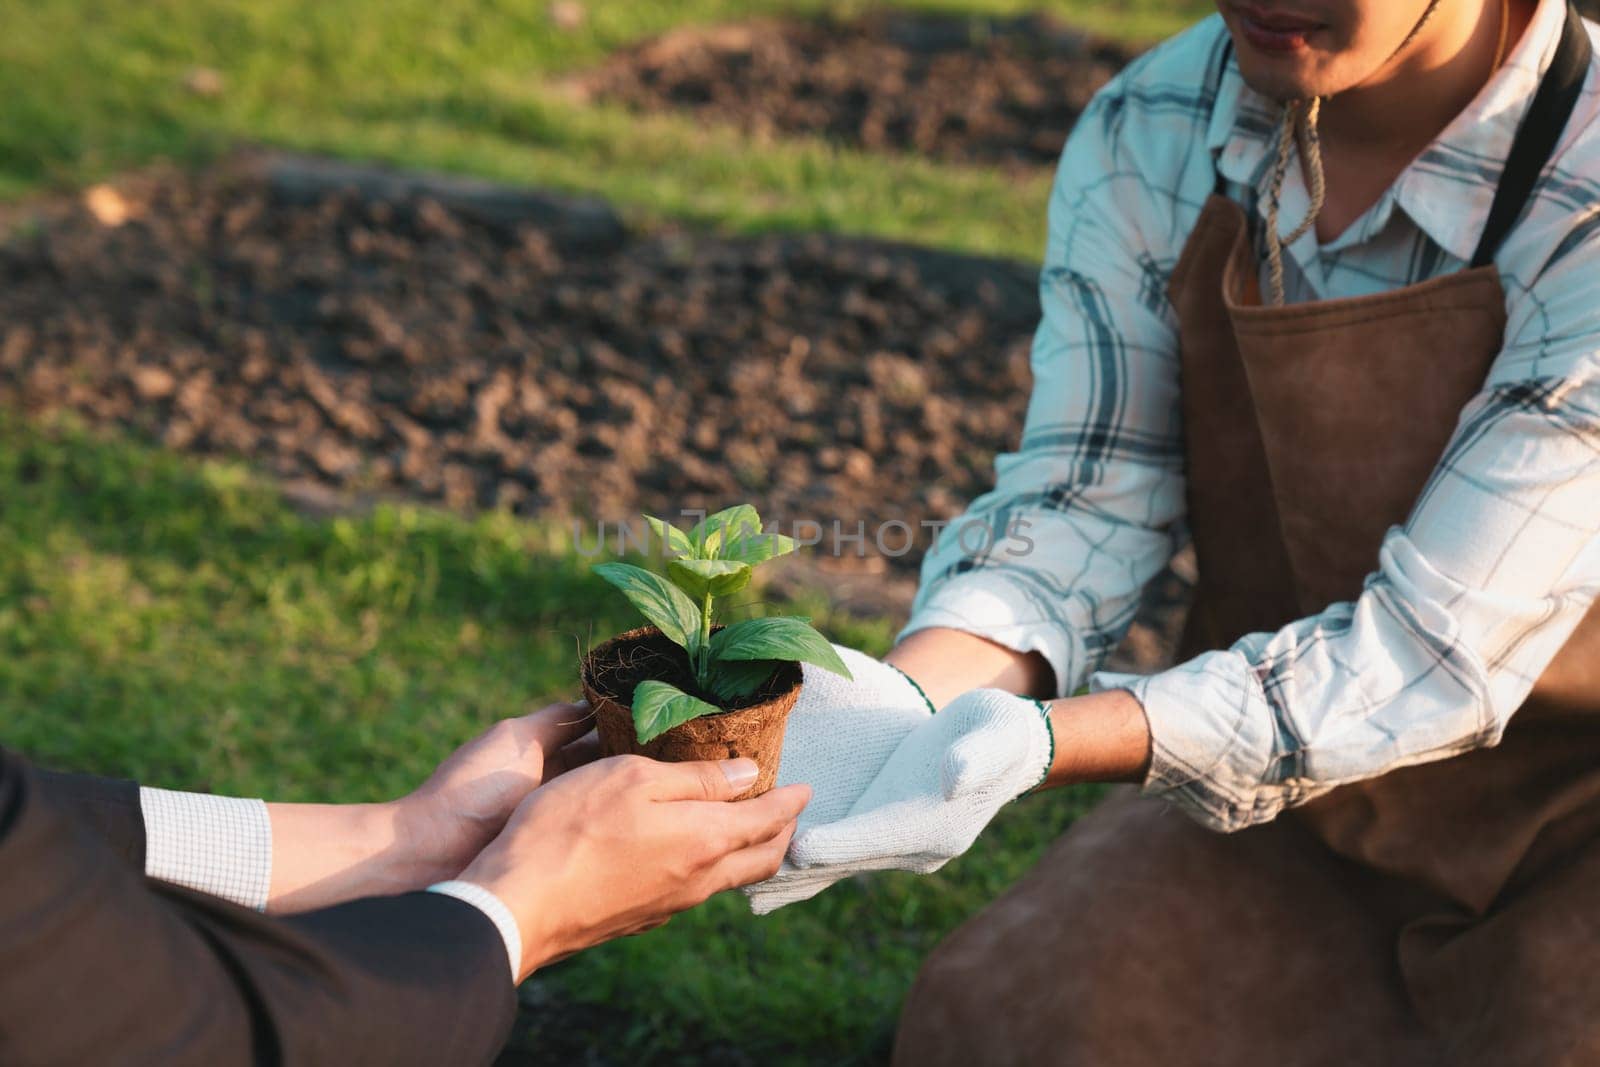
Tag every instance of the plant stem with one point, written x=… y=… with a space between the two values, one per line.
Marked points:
x=703 y=670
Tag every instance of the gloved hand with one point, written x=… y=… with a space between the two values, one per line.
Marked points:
x=840 y=734
x=939 y=790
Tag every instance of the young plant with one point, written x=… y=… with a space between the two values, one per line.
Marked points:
x=715 y=559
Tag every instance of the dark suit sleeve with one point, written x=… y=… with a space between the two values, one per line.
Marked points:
x=109 y=806
x=99 y=965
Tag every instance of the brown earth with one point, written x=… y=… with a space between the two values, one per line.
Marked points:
x=370 y=345
x=374 y=341
x=958 y=88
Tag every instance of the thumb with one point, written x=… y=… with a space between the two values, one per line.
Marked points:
x=703 y=779
x=557 y=725
x=973 y=762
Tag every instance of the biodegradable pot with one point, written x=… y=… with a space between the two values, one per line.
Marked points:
x=753 y=730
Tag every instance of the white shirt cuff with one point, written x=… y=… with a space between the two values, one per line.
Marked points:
x=217 y=845
x=495 y=909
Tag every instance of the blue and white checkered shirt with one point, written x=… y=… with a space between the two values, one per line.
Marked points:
x=1467 y=602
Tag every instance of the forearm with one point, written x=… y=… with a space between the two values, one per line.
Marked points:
x=946 y=663
x=1099 y=737
x=284 y=858
x=325 y=854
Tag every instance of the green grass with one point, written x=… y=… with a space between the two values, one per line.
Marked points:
x=466 y=85
x=175 y=621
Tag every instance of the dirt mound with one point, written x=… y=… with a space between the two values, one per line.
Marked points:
x=966 y=89
x=371 y=344
x=385 y=343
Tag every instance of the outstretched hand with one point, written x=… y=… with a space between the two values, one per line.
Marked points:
x=469 y=797
x=939 y=789
x=323 y=854
x=839 y=736
x=618 y=846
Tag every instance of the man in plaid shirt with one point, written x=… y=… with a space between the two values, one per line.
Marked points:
x=1319 y=295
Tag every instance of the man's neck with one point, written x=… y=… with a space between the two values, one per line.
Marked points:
x=1371 y=133
x=1409 y=102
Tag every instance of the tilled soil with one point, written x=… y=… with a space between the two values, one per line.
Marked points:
x=389 y=344
x=957 y=88
x=373 y=345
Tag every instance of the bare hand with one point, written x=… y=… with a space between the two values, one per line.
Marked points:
x=466 y=801
x=618 y=846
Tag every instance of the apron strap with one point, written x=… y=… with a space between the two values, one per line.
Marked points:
x=1537 y=136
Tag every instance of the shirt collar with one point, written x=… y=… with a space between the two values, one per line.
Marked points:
x=1446 y=190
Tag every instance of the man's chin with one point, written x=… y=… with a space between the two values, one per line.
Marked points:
x=1282 y=85
x=1314 y=73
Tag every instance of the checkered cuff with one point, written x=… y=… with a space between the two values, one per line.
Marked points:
x=217 y=845
x=495 y=909
x=1210 y=741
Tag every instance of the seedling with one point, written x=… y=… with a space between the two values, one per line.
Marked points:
x=714 y=559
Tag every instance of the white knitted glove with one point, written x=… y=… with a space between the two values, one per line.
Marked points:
x=939 y=790
x=840 y=734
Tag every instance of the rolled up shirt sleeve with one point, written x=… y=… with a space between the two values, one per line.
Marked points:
x=1471 y=599
x=1082 y=515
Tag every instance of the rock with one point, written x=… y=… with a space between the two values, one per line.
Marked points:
x=153 y=383
x=333 y=459
x=107 y=205
x=858 y=465
x=204 y=81
x=567 y=14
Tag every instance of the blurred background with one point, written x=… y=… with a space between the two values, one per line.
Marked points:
x=329 y=332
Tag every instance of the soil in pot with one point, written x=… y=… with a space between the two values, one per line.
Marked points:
x=751 y=728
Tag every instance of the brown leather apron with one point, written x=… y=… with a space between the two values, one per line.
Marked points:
x=1443 y=913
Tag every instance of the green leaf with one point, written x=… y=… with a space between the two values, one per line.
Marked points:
x=783 y=638
x=658 y=600
x=659 y=706
x=674 y=540
x=719 y=577
x=754 y=548
x=732 y=679
x=709 y=533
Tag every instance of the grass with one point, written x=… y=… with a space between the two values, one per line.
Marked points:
x=466 y=85
x=176 y=621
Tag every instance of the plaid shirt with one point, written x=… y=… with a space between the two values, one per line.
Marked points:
x=1467 y=602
